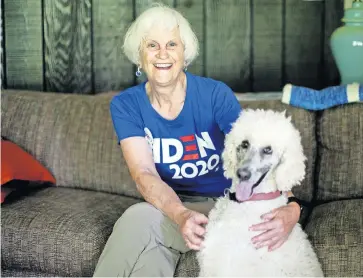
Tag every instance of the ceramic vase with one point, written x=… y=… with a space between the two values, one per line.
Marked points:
x=346 y=43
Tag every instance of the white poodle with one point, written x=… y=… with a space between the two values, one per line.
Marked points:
x=263 y=154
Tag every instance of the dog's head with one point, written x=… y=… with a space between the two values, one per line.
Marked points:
x=263 y=153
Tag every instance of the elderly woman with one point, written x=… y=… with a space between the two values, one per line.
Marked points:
x=171 y=130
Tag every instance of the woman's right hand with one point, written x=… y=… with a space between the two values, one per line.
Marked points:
x=191 y=227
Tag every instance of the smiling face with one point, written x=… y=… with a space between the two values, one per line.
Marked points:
x=162 y=56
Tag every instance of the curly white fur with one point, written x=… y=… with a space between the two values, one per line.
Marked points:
x=227 y=249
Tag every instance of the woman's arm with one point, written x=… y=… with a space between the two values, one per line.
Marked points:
x=293 y=204
x=142 y=168
x=277 y=225
x=140 y=162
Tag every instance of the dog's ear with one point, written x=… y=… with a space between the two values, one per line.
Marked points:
x=291 y=170
x=229 y=157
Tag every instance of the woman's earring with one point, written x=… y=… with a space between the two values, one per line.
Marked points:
x=185 y=66
x=138 y=72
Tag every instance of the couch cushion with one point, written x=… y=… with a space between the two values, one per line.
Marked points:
x=335 y=230
x=6 y=272
x=187 y=265
x=73 y=136
x=59 y=230
x=70 y=134
x=340 y=134
x=305 y=122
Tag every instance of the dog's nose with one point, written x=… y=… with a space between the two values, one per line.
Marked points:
x=244 y=174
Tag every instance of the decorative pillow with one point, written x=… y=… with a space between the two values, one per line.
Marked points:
x=5 y=191
x=17 y=164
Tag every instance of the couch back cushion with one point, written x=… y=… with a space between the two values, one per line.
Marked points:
x=71 y=135
x=340 y=137
x=304 y=121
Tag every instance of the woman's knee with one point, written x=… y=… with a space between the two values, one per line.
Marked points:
x=138 y=216
x=147 y=224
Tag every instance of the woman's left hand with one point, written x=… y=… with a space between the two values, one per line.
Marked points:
x=277 y=226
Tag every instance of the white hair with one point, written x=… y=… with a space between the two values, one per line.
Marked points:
x=159 y=15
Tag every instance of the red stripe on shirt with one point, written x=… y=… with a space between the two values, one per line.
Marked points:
x=191 y=148
x=191 y=156
x=187 y=138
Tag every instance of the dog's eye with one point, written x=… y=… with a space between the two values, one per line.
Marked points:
x=245 y=144
x=267 y=150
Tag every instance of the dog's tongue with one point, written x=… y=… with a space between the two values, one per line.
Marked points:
x=243 y=191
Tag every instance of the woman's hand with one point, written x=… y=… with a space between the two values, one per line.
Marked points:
x=277 y=226
x=190 y=224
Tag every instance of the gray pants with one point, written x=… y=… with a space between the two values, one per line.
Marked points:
x=145 y=242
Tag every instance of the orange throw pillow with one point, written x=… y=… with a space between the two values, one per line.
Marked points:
x=17 y=164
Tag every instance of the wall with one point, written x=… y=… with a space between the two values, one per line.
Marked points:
x=74 y=46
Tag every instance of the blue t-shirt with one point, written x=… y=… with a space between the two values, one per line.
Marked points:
x=186 y=150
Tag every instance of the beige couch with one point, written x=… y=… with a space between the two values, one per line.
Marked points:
x=61 y=230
